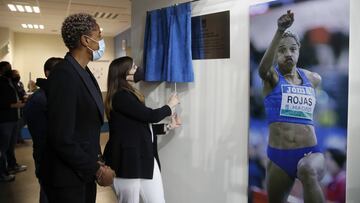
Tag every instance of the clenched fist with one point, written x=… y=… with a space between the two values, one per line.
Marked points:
x=285 y=21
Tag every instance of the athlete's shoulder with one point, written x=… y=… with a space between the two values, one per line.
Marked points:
x=313 y=77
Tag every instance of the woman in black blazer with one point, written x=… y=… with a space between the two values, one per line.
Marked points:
x=132 y=147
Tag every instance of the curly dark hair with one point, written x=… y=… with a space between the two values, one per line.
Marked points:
x=74 y=26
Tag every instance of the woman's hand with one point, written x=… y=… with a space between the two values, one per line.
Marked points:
x=285 y=21
x=173 y=101
x=175 y=122
x=105 y=176
x=31 y=86
x=17 y=105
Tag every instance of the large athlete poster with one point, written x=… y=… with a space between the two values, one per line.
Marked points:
x=298 y=101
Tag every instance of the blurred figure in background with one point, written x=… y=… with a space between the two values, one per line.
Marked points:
x=32 y=86
x=15 y=76
x=35 y=113
x=10 y=105
x=335 y=160
x=23 y=97
x=257 y=171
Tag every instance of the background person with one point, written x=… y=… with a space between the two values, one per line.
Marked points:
x=35 y=113
x=335 y=160
x=22 y=95
x=10 y=105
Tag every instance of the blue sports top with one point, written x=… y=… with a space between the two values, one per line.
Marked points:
x=291 y=103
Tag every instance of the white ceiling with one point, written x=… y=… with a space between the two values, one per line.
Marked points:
x=53 y=13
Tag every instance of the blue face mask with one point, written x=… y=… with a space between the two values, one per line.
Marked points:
x=97 y=54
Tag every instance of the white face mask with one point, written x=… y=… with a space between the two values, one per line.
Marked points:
x=97 y=54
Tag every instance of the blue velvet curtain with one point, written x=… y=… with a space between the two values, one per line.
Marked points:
x=167 y=44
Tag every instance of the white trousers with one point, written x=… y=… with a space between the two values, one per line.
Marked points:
x=129 y=190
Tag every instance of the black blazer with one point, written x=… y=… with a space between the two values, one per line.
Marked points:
x=7 y=97
x=75 y=115
x=130 y=150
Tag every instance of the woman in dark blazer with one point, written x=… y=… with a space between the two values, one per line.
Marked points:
x=132 y=147
x=70 y=164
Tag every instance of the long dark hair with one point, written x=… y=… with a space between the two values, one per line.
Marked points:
x=116 y=81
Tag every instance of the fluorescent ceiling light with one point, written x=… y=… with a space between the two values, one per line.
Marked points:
x=32 y=26
x=20 y=8
x=12 y=7
x=28 y=9
x=36 y=9
x=24 y=8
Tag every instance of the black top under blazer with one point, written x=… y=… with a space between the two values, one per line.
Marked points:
x=75 y=116
x=130 y=151
x=7 y=97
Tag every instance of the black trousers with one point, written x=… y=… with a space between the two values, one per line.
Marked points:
x=71 y=194
x=7 y=146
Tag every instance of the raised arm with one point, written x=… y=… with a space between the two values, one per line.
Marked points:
x=266 y=67
x=127 y=104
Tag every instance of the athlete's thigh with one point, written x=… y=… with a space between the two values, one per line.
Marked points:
x=278 y=183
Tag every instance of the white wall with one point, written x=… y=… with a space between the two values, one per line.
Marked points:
x=6 y=45
x=32 y=50
x=121 y=46
x=353 y=159
x=206 y=160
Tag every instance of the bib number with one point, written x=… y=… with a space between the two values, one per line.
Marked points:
x=297 y=101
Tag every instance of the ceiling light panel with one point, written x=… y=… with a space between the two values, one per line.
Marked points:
x=20 y=8
x=28 y=9
x=24 y=8
x=32 y=26
x=36 y=9
x=12 y=7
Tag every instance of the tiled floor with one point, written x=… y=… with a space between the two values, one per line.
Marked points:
x=25 y=188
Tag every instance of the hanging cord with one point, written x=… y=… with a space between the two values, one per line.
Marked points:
x=177 y=108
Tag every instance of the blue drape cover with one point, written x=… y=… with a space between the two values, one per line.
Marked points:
x=167 y=44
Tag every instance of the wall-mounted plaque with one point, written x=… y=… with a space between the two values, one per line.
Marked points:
x=211 y=36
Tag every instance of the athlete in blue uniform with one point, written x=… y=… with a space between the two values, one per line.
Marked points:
x=290 y=101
